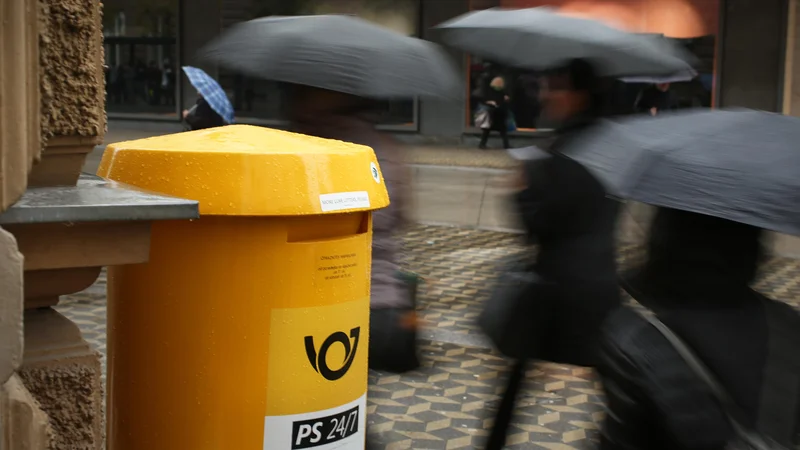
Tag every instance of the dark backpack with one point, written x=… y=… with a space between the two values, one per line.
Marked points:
x=778 y=412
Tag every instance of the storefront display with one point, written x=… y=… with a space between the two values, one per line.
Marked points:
x=141 y=57
x=693 y=23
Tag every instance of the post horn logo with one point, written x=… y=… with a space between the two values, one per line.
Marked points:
x=319 y=361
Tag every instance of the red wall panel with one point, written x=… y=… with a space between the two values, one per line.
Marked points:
x=673 y=18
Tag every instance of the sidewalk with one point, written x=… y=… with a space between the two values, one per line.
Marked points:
x=448 y=403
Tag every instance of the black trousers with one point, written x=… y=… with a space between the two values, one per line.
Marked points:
x=505 y=411
x=503 y=134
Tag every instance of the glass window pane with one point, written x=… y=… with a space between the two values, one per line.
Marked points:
x=692 y=24
x=521 y=86
x=260 y=99
x=140 y=39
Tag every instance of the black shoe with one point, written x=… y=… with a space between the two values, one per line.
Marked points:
x=482 y=147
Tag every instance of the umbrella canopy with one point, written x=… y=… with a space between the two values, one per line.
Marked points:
x=211 y=91
x=540 y=38
x=740 y=165
x=338 y=53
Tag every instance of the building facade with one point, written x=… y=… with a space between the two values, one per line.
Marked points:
x=741 y=45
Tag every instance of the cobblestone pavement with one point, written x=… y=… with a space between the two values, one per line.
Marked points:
x=448 y=403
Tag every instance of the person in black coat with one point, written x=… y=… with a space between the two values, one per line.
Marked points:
x=697 y=279
x=497 y=100
x=566 y=212
x=202 y=116
x=655 y=99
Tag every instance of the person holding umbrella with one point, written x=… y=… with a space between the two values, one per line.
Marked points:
x=347 y=117
x=572 y=287
x=697 y=279
x=213 y=109
x=713 y=364
x=336 y=68
x=566 y=212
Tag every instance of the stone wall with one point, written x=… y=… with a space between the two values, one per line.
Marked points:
x=57 y=373
x=23 y=423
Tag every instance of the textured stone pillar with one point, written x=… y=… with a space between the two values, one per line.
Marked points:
x=72 y=88
x=64 y=375
x=24 y=424
x=20 y=142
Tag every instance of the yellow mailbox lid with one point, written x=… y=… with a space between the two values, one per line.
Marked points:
x=251 y=171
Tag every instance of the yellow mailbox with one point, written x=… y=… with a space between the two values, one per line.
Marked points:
x=248 y=328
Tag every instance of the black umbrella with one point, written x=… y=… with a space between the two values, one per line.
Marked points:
x=338 y=53
x=740 y=165
x=541 y=38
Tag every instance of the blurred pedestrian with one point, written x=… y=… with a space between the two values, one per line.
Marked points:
x=153 y=84
x=339 y=72
x=140 y=81
x=334 y=115
x=202 y=116
x=116 y=84
x=496 y=100
x=213 y=108
x=168 y=82
x=655 y=99
x=697 y=280
x=566 y=212
x=345 y=117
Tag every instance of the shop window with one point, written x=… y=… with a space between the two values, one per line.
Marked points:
x=692 y=24
x=254 y=98
x=140 y=39
x=521 y=86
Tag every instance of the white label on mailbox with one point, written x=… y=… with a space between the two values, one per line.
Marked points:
x=342 y=428
x=344 y=200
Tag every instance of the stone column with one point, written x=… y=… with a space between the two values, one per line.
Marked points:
x=58 y=368
x=791 y=93
x=23 y=425
x=751 y=53
x=780 y=243
x=444 y=118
